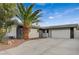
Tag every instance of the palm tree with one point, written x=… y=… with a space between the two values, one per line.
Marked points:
x=28 y=17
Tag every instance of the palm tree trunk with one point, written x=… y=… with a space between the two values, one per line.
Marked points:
x=25 y=33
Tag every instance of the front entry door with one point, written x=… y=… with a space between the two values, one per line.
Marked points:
x=19 y=32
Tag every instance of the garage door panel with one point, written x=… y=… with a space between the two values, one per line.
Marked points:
x=61 y=33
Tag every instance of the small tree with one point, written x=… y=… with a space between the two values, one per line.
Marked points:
x=7 y=11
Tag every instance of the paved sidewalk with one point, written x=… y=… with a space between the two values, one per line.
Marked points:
x=45 y=47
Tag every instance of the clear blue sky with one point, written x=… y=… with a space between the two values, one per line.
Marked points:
x=58 y=13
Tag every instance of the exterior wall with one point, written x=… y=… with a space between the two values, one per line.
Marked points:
x=33 y=33
x=50 y=33
x=12 y=32
x=76 y=33
x=61 y=33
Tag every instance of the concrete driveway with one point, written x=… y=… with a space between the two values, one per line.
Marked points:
x=46 y=46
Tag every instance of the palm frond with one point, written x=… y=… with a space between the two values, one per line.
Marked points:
x=34 y=14
x=30 y=16
x=29 y=10
x=36 y=19
x=21 y=9
x=19 y=16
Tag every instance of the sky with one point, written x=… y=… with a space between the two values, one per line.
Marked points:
x=57 y=13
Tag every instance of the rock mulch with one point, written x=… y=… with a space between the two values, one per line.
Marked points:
x=10 y=43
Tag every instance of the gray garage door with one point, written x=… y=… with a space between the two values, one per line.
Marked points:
x=61 y=33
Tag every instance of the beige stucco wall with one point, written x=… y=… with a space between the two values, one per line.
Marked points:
x=61 y=33
x=76 y=33
x=33 y=33
x=12 y=32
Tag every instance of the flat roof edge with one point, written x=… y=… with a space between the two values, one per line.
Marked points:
x=61 y=26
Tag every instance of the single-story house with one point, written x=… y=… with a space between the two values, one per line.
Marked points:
x=68 y=31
